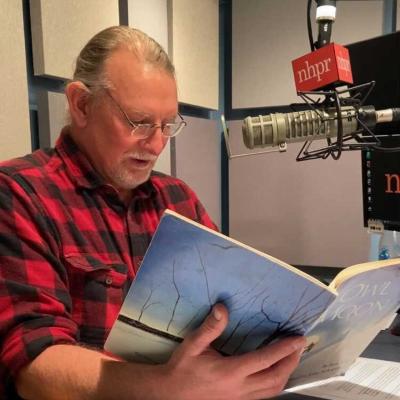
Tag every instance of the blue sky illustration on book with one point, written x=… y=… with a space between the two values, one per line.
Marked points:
x=187 y=269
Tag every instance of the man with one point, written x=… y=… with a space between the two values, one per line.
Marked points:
x=75 y=222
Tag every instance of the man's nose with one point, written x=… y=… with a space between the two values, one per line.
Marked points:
x=156 y=142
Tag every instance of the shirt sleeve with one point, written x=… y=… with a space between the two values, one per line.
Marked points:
x=35 y=306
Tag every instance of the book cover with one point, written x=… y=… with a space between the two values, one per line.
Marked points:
x=367 y=301
x=188 y=268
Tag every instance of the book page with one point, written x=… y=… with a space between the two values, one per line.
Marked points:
x=364 y=306
x=366 y=379
x=354 y=270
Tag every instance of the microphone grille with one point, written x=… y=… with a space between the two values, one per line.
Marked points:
x=257 y=131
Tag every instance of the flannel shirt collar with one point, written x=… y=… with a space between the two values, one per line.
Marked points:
x=80 y=170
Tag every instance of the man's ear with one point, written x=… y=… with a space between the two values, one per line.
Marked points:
x=78 y=101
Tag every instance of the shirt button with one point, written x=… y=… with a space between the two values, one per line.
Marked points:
x=109 y=280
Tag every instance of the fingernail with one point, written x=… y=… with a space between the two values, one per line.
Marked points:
x=216 y=314
x=299 y=344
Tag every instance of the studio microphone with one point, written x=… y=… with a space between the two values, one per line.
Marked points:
x=277 y=128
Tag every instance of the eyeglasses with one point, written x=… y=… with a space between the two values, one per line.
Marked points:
x=143 y=131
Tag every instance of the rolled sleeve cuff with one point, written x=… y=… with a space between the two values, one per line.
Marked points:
x=22 y=345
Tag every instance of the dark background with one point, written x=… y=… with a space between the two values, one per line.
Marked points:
x=378 y=59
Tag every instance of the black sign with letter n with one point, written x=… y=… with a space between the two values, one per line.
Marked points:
x=378 y=60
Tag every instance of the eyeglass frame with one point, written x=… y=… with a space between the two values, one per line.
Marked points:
x=150 y=127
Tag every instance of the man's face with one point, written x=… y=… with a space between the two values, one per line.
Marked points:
x=146 y=95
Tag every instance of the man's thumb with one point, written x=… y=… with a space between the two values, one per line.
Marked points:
x=212 y=327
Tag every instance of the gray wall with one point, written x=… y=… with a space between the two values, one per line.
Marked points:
x=198 y=162
x=305 y=213
x=268 y=34
x=15 y=138
x=398 y=16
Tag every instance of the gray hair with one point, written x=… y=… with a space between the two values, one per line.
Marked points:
x=90 y=62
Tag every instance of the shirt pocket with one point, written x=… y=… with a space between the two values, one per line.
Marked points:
x=97 y=290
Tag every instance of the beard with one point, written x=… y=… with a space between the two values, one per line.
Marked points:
x=133 y=170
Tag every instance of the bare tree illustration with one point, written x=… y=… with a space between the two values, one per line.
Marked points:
x=256 y=326
x=245 y=318
x=234 y=300
x=300 y=316
x=147 y=304
x=251 y=308
x=179 y=296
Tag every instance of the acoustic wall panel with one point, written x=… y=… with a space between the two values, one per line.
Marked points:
x=61 y=28
x=193 y=44
x=268 y=34
x=305 y=213
x=15 y=136
x=398 y=17
x=198 y=162
x=163 y=163
x=151 y=17
x=53 y=115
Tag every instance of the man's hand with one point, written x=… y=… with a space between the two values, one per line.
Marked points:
x=196 y=371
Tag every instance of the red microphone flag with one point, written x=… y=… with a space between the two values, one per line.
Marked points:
x=329 y=64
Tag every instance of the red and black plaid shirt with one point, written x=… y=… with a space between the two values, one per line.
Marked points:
x=69 y=249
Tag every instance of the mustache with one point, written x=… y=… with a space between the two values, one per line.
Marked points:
x=141 y=156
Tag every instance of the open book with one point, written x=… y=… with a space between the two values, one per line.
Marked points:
x=188 y=268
